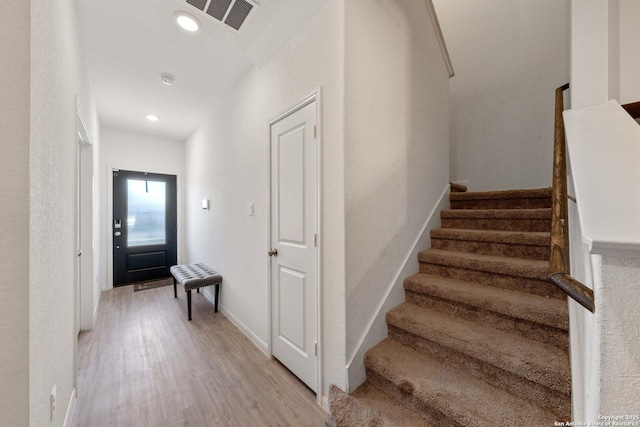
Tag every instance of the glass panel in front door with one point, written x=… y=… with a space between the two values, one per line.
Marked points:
x=146 y=212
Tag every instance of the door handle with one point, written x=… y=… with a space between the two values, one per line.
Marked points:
x=272 y=252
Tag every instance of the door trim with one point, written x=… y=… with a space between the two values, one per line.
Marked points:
x=109 y=233
x=315 y=95
x=83 y=206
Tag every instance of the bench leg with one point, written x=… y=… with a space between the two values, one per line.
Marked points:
x=189 y=303
x=216 y=299
x=198 y=290
x=175 y=289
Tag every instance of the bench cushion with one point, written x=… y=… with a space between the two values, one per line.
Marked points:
x=193 y=276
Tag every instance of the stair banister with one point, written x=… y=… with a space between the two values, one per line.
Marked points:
x=559 y=268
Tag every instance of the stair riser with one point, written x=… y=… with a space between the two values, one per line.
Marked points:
x=527 y=329
x=523 y=284
x=489 y=248
x=430 y=415
x=524 y=203
x=538 y=394
x=502 y=224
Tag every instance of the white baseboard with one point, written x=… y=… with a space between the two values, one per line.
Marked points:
x=324 y=403
x=68 y=418
x=376 y=329
x=233 y=319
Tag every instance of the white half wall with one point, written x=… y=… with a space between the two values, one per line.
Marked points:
x=137 y=152
x=15 y=26
x=228 y=158
x=509 y=57
x=396 y=149
x=605 y=236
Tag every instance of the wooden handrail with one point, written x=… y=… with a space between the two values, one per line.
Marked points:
x=633 y=109
x=559 y=267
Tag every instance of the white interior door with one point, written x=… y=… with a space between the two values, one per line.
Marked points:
x=293 y=243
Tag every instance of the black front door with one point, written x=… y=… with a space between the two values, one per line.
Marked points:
x=144 y=226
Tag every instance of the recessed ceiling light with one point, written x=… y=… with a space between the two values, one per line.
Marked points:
x=187 y=21
x=152 y=117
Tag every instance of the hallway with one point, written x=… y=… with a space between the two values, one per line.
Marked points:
x=144 y=364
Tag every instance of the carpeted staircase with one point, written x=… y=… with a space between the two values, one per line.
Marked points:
x=482 y=338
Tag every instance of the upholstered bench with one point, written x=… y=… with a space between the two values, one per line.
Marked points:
x=195 y=276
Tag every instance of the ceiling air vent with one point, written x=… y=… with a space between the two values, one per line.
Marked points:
x=218 y=8
x=200 y=4
x=234 y=13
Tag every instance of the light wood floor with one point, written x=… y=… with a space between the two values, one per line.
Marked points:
x=144 y=364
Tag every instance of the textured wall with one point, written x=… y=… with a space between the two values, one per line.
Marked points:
x=624 y=62
x=14 y=212
x=227 y=160
x=133 y=151
x=56 y=80
x=396 y=146
x=589 y=53
x=509 y=57
x=618 y=291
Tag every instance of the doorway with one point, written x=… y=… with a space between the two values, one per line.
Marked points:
x=144 y=226
x=294 y=273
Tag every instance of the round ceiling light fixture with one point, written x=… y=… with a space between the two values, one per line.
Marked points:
x=167 y=79
x=152 y=117
x=187 y=21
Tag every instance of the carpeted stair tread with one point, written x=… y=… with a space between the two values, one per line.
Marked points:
x=510 y=199
x=539 y=213
x=537 y=362
x=520 y=244
x=460 y=397
x=368 y=406
x=531 y=269
x=538 y=219
x=493 y=236
x=535 y=193
x=521 y=305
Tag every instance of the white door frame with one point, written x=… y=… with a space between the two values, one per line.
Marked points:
x=82 y=288
x=85 y=221
x=313 y=96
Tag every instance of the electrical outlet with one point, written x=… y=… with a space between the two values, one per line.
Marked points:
x=52 y=400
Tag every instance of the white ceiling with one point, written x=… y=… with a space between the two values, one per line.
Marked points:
x=127 y=44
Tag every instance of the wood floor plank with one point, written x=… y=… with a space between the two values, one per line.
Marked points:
x=144 y=364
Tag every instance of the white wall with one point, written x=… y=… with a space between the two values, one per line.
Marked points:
x=14 y=212
x=509 y=57
x=137 y=152
x=606 y=246
x=396 y=150
x=56 y=80
x=589 y=53
x=227 y=160
x=624 y=61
